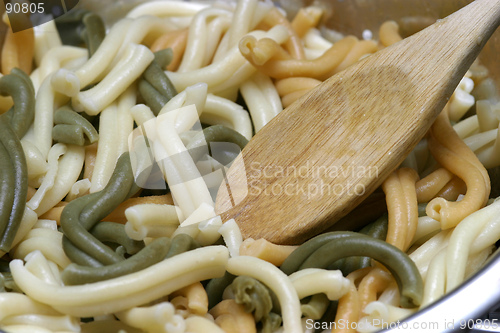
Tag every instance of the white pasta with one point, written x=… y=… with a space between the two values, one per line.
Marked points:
x=196 y=48
x=461 y=239
x=193 y=95
x=151 y=220
x=219 y=110
x=435 y=282
x=44 y=117
x=127 y=291
x=390 y=295
x=55 y=152
x=178 y=167
x=232 y=237
x=79 y=189
x=35 y=161
x=315 y=281
x=479 y=140
x=487 y=115
x=159 y=318
x=132 y=64
x=262 y=99
x=209 y=230
x=467 y=127
x=489 y=156
x=217 y=28
x=242 y=21
x=380 y=313
x=24 y=329
x=69 y=168
x=95 y=67
x=166 y=8
x=46 y=38
x=47 y=241
x=125 y=121
x=56 y=57
x=426 y=226
x=314 y=40
x=424 y=254
x=52 y=323
x=29 y=219
x=16 y=304
x=461 y=100
x=141 y=114
x=42 y=268
x=221 y=71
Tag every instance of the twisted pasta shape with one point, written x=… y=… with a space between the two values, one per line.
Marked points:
x=454 y=155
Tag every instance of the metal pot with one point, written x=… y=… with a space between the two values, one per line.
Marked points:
x=481 y=292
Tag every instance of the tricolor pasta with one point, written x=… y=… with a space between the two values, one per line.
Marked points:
x=114 y=140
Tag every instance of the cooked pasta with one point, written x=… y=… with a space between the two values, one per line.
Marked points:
x=451 y=152
x=233 y=318
x=116 y=133
x=18 y=48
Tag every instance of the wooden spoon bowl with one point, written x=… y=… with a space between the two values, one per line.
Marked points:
x=329 y=150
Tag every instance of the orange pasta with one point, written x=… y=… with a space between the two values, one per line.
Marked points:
x=233 y=318
x=429 y=186
x=401 y=198
x=18 y=48
x=294 y=44
x=453 y=154
x=176 y=40
x=320 y=68
x=359 y=50
x=306 y=19
x=292 y=84
x=348 y=309
x=372 y=285
x=262 y=50
x=6 y=103
x=389 y=33
x=262 y=249
x=197 y=299
x=453 y=189
x=55 y=212
x=292 y=88
x=293 y=96
x=440 y=183
x=90 y=156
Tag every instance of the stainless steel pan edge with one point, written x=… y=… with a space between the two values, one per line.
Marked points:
x=459 y=310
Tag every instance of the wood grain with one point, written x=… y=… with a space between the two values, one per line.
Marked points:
x=329 y=150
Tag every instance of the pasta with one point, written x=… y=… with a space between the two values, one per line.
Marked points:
x=116 y=133
x=402 y=206
x=475 y=178
x=231 y=317
x=18 y=48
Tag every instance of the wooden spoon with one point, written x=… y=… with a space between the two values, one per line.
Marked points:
x=325 y=153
